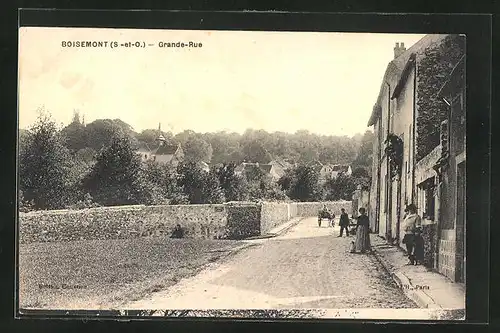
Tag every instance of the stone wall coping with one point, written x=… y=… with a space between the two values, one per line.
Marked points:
x=140 y=207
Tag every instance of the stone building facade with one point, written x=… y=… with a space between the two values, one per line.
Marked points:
x=451 y=182
x=405 y=151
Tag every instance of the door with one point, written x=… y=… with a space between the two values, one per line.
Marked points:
x=460 y=226
x=389 y=210
x=394 y=209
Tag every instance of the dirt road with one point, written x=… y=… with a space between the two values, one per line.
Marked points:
x=307 y=267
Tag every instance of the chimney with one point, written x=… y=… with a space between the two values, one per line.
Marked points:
x=399 y=49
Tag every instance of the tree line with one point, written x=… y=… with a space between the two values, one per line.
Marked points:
x=86 y=165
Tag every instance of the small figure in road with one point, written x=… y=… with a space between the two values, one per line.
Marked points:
x=344 y=223
x=362 y=243
x=412 y=238
x=325 y=214
x=332 y=219
x=178 y=232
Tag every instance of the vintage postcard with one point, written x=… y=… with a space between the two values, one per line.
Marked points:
x=242 y=174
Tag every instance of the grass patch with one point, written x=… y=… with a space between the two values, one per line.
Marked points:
x=102 y=274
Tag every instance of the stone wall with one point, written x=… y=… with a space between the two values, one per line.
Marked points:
x=446 y=263
x=243 y=220
x=306 y=209
x=274 y=214
x=199 y=221
x=231 y=220
x=429 y=235
x=292 y=210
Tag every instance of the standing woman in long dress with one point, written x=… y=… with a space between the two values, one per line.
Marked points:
x=362 y=242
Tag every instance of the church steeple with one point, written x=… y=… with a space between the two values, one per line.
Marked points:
x=161 y=138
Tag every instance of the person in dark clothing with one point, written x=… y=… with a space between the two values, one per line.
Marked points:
x=344 y=223
x=178 y=232
x=362 y=243
x=418 y=249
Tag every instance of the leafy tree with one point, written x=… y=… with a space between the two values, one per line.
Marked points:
x=212 y=192
x=199 y=186
x=255 y=152
x=303 y=184
x=102 y=132
x=150 y=137
x=45 y=166
x=360 y=172
x=235 y=187
x=164 y=176
x=236 y=156
x=254 y=174
x=184 y=136
x=340 y=188
x=75 y=134
x=86 y=155
x=365 y=152
x=196 y=149
x=118 y=179
x=286 y=182
x=224 y=145
x=265 y=188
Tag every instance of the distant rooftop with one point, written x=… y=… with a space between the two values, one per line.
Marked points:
x=166 y=149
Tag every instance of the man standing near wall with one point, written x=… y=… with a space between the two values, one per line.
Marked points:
x=344 y=223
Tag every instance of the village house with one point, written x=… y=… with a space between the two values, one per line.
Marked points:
x=165 y=153
x=408 y=144
x=338 y=169
x=267 y=168
x=280 y=167
x=441 y=194
x=328 y=171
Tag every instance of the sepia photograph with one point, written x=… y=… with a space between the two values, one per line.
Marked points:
x=242 y=174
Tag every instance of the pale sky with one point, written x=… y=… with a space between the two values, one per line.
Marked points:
x=326 y=83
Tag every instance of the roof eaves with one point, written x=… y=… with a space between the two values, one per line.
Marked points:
x=404 y=76
x=442 y=90
x=391 y=68
x=374 y=115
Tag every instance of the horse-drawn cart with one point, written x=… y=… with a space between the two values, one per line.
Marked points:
x=326 y=215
